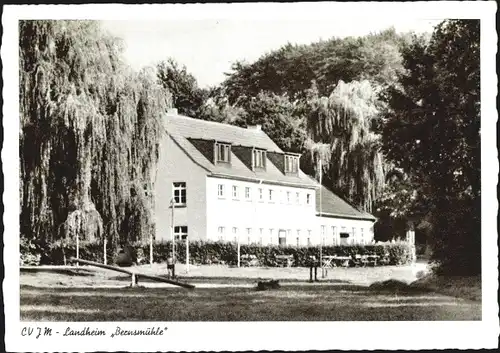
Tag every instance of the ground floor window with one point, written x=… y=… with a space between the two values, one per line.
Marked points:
x=249 y=235
x=180 y=232
x=221 y=231
x=235 y=234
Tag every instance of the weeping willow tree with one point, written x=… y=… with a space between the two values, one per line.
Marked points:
x=339 y=128
x=89 y=135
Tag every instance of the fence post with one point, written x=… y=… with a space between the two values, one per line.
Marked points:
x=187 y=254
x=105 y=254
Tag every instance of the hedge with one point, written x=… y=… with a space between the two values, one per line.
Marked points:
x=201 y=252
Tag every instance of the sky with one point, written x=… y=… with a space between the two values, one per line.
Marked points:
x=208 y=47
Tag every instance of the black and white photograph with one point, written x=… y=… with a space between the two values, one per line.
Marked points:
x=254 y=176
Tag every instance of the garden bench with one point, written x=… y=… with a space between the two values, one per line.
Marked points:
x=341 y=260
x=360 y=260
x=284 y=260
x=372 y=260
x=248 y=260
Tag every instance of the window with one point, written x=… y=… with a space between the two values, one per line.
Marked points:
x=334 y=234
x=270 y=235
x=271 y=195
x=248 y=194
x=353 y=232
x=297 y=198
x=308 y=199
x=235 y=234
x=180 y=232
x=362 y=236
x=298 y=241
x=221 y=232
x=235 y=192
x=323 y=231
x=259 y=158
x=249 y=234
x=220 y=190
x=261 y=194
x=288 y=197
x=282 y=196
x=222 y=153
x=180 y=193
x=261 y=231
x=309 y=232
x=291 y=164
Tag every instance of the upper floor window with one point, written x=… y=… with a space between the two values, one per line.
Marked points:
x=235 y=192
x=259 y=158
x=288 y=197
x=297 y=198
x=180 y=193
x=261 y=194
x=271 y=195
x=220 y=190
x=291 y=164
x=248 y=193
x=222 y=153
x=308 y=199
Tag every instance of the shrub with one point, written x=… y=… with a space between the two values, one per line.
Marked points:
x=30 y=253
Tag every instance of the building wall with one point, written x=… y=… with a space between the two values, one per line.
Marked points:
x=175 y=166
x=205 y=211
x=256 y=221
x=360 y=231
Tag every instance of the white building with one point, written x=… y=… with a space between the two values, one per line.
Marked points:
x=228 y=182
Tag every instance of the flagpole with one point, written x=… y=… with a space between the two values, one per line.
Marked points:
x=320 y=213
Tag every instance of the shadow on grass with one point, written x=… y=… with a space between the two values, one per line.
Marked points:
x=226 y=280
x=290 y=303
x=60 y=271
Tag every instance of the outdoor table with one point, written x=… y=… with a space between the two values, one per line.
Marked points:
x=284 y=260
x=342 y=260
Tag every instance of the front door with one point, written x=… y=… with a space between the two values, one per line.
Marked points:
x=282 y=237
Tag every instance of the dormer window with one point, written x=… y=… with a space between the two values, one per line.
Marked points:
x=222 y=152
x=291 y=164
x=259 y=159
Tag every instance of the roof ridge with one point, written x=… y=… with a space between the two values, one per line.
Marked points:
x=212 y=123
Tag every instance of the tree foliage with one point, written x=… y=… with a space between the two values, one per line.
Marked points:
x=432 y=132
x=341 y=136
x=89 y=133
x=187 y=97
x=291 y=69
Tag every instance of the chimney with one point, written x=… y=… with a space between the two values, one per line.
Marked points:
x=254 y=127
x=172 y=111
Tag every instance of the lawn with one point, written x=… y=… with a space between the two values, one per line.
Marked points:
x=289 y=303
x=344 y=295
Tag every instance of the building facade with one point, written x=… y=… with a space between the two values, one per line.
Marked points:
x=218 y=182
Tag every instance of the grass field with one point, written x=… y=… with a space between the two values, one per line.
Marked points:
x=317 y=303
x=342 y=296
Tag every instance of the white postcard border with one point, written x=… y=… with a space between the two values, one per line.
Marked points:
x=195 y=336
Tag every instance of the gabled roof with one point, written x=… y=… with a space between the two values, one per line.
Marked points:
x=209 y=130
x=181 y=129
x=331 y=205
